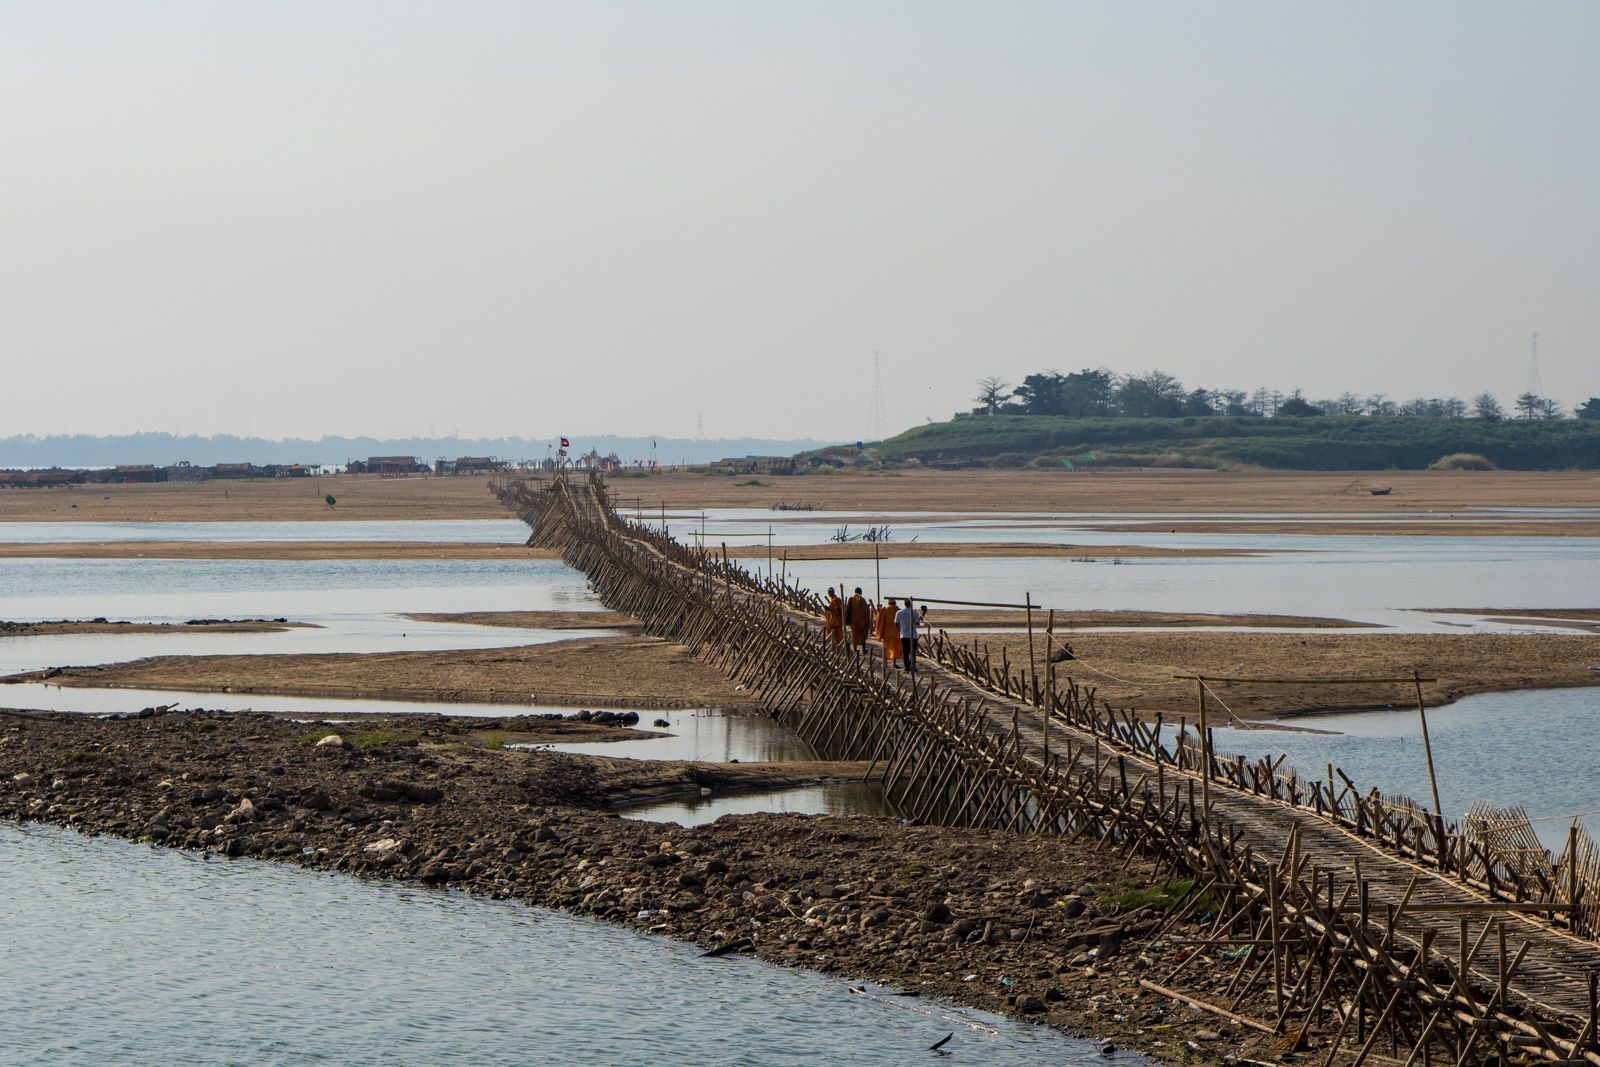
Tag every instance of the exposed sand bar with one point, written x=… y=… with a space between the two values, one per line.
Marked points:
x=624 y=671
x=311 y=550
x=1137 y=669
x=968 y=491
x=939 y=550
x=1490 y=526
x=366 y=496
x=533 y=620
x=470 y=550
x=1152 y=490
x=208 y=626
x=1129 y=669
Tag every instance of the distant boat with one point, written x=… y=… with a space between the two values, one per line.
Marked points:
x=1385 y=491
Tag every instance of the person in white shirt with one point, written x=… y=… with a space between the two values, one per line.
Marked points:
x=907 y=622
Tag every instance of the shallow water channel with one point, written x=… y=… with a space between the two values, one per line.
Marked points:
x=119 y=953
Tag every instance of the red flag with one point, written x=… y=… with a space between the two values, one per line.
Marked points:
x=565 y=443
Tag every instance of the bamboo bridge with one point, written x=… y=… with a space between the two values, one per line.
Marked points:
x=1382 y=931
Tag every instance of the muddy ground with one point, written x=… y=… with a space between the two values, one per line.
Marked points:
x=1051 y=930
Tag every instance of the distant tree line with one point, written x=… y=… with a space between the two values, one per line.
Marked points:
x=1099 y=392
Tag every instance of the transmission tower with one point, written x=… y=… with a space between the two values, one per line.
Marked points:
x=875 y=416
x=699 y=427
x=1535 y=385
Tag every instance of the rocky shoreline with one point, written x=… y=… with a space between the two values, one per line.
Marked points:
x=1059 y=932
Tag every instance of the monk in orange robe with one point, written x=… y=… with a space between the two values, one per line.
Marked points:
x=858 y=615
x=888 y=633
x=833 y=618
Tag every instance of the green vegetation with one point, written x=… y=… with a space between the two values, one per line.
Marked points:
x=1462 y=461
x=1313 y=442
x=1162 y=897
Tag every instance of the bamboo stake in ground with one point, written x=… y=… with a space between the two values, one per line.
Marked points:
x=1205 y=748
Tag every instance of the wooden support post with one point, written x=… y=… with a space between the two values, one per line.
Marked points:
x=1572 y=873
x=1049 y=677
x=1205 y=749
x=1427 y=749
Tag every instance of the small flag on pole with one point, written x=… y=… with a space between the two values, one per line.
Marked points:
x=565 y=443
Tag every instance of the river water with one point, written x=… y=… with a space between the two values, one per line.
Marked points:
x=116 y=953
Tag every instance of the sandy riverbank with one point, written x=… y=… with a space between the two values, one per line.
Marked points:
x=1159 y=491
x=104 y=626
x=980 y=550
x=976 y=492
x=270 y=550
x=1137 y=670
x=1047 y=929
x=478 y=550
x=535 y=620
x=624 y=671
x=1128 y=668
x=363 y=496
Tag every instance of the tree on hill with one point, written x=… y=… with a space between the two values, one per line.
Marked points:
x=1589 y=409
x=1153 y=395
x=1533 y=406
x=992 y=394
x=1486 y=406
x=1081 y=394
x=1297 y=405
x=1199 y=402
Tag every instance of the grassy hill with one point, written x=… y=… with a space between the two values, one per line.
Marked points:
x=1341 y=442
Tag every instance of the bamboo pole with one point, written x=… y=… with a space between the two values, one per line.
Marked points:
x=1049 y=679
x=1033 y=666
x=1205 y=748
x=1427 y=749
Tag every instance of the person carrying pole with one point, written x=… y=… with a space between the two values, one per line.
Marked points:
x=858 y=615
x=888 y=633
x=906 y=622
x=833 y=618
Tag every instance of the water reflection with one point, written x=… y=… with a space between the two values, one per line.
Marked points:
x=136 y=955
x=703 y=735
x=827 y=798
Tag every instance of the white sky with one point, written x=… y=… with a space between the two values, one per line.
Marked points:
x=523 y=218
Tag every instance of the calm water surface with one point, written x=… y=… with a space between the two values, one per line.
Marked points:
x=118 y=953
x=827 y=798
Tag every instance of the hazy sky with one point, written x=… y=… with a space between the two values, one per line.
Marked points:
x=528 y=218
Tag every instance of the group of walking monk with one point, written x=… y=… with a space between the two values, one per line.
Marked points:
x=896 y=628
